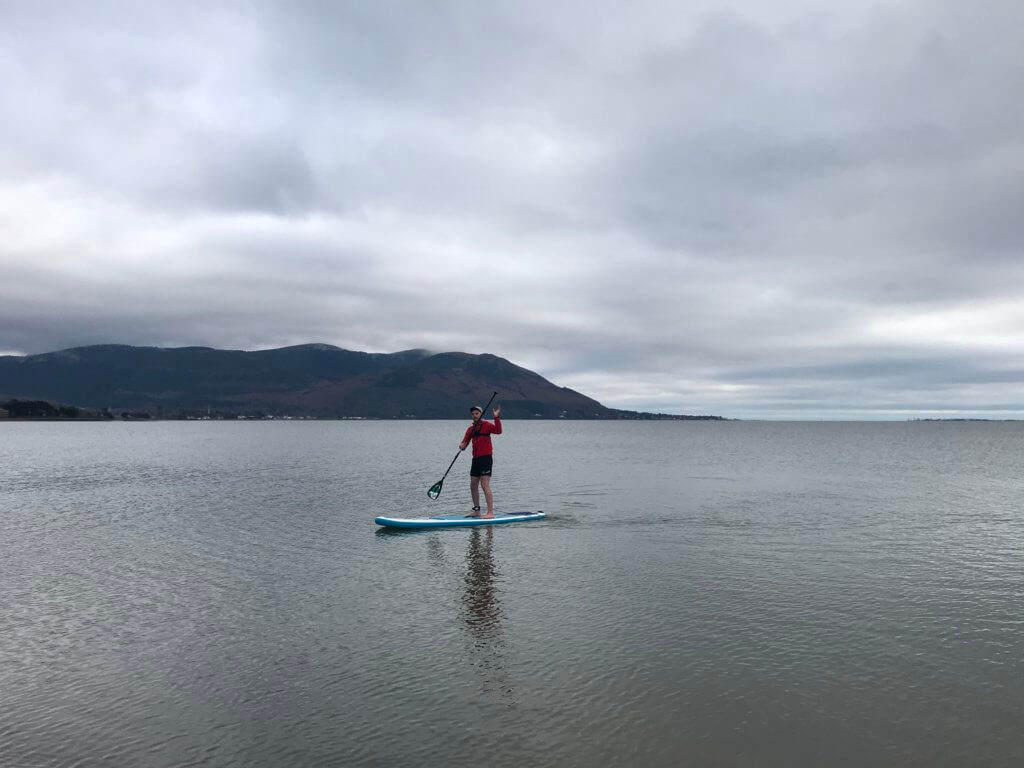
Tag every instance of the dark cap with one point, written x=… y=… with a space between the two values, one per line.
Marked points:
x=476 y=408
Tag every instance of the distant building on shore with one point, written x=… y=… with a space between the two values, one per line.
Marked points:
x=4 y=413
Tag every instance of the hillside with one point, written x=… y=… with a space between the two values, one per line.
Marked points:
x=308 y=380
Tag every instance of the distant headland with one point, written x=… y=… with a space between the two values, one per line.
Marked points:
x=310 y=381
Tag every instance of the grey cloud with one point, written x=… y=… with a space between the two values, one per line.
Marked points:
x=908 y=370
x=264 y=175
x=722 y=207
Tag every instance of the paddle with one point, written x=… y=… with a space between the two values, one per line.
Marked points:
x=435 y=489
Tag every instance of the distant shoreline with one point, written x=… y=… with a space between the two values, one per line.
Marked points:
x=92 y=418
x=142 y=419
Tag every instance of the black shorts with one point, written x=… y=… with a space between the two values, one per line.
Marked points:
x=481 y=466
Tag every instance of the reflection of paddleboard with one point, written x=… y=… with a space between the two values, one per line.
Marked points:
x=450 y=521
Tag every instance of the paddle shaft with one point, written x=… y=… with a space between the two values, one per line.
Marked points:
x=450 y=467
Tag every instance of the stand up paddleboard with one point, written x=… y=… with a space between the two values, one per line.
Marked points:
x=451 y=521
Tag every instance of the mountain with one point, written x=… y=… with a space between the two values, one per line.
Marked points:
x=308 y=380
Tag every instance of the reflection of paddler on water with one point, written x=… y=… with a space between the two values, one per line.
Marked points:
x=480 y=600
x=482 y=611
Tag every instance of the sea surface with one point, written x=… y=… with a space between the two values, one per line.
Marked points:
x=701 y=594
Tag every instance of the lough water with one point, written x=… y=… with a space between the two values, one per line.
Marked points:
x=705 y=594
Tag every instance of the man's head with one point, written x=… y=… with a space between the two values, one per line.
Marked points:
x=476 y=412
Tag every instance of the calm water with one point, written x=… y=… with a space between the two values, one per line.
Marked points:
x=730 y=594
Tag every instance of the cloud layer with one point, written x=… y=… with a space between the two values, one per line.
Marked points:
x=768 y=209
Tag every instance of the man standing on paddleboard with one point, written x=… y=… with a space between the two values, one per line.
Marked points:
x=479 y=433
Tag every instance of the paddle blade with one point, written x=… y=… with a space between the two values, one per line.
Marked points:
x=435 y=491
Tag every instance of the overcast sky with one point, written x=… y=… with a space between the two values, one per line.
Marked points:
x=763 y=208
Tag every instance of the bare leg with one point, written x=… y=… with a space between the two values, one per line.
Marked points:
x=474 y=489
x=486 y=483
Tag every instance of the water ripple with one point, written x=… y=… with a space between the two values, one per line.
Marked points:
x=706 y=594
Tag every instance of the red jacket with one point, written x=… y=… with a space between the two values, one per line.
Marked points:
x=482 y=441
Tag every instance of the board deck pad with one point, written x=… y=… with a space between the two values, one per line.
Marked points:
x=452 y=521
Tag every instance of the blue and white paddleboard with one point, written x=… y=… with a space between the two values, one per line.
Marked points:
x=451 y=521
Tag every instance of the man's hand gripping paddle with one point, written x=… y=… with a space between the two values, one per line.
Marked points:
x=435 y=489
